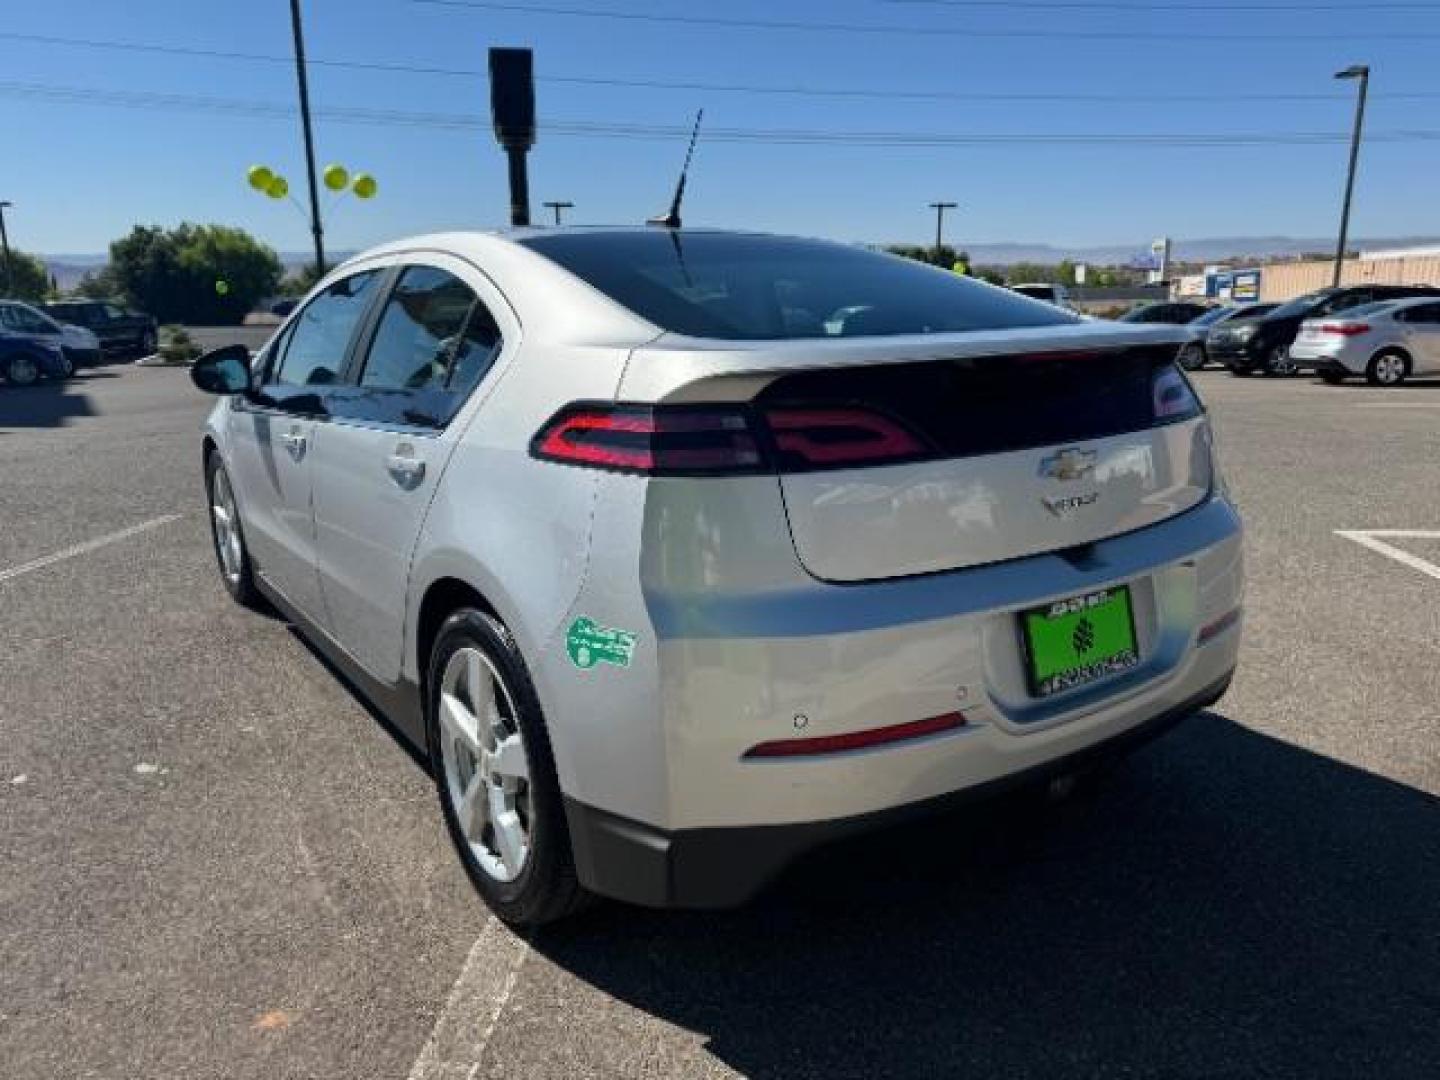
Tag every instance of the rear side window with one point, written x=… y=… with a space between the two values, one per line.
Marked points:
x=764 y=288
x=319 y=339
x=434 y=342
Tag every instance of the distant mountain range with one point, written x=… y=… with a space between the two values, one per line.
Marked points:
x=1218 y=249
x=69 y=269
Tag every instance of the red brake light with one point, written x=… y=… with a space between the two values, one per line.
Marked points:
x=1346 y=329
x=657 y=440
x=807 y=438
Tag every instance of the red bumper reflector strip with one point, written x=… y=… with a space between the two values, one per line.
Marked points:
x=1219 y=626
x=857 y=740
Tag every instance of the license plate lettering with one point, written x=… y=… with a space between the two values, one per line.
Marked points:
x=1079 y=640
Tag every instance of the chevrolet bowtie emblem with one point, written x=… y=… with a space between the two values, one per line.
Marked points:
x=1068 y=464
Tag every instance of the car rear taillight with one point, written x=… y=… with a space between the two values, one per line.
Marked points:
x=1345 y=329
x=714 y=440
x=656 y=440
x=834 y=438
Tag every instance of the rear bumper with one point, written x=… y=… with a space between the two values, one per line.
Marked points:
x=721 y=867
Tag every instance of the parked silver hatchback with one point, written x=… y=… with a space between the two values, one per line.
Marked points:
x=678 y=553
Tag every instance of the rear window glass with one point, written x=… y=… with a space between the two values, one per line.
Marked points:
x=763 y=288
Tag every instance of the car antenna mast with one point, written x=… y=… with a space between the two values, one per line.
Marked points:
x=672 y=219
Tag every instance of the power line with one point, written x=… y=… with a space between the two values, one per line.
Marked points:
x=1239 y=35
x=701 y=86
x=669 y=133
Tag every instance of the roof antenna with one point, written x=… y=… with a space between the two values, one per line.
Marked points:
x=672 y=219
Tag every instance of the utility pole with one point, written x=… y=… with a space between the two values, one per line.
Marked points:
x=5 y=243
x=315 y=226
x=940 y=208
x=1361 y=72
x=558 y=206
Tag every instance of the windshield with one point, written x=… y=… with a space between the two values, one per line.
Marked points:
x=1212 y=316
x=764 y=288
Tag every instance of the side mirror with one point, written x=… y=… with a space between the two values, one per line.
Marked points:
x=223 y=371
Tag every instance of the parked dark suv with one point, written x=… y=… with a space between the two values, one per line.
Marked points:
x=120 y=331
x=1263 y=344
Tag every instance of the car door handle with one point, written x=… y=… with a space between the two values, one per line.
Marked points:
x=405 y=471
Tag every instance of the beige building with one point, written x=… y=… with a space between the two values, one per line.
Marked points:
x=1284 y=280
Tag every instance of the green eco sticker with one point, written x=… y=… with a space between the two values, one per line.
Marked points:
x=589 y=643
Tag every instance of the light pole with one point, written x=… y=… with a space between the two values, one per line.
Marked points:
x=315 y=227
x=1361 y=72
x=558 y=206
x=5 y=243
x=940 y=208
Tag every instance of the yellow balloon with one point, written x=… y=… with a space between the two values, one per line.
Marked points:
x=336 y=178
x=277 y=188
x=260 y=177
x=365 y=186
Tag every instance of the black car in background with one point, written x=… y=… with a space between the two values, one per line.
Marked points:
x=1173 y=313
x=121 y=331
x=1250 y=345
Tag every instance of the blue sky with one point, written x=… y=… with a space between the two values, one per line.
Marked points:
x=81 y=173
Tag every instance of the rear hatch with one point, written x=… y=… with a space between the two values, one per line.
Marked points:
x=897 y=465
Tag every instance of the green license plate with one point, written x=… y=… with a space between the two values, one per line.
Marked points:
x=1073 y=642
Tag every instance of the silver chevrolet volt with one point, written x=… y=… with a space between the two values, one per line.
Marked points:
x=678 y=552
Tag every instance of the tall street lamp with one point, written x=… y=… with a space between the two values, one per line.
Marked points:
x=1361 y=72
x=940 y=208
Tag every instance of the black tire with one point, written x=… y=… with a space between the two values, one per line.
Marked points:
x=546 y=888
x=1278 y=362
x=1242 y=372
x=242 y=587
x=1192 y=356
x=148 y=343
x=1331 y=378
x=67 y=366
x=1379 y=371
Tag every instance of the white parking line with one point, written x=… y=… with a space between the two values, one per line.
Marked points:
x=89 y=545
x=463 y=1029
x=1399 y=405
x=1367 y=538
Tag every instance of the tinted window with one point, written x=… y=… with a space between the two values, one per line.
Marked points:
x=1346 y=301
x=26 y=320
x=735 y=287
x=434 y=343
x=1211 y=317
x=1422 y=313
x=419 y=332
x=1300 y=306
x=1370 y=309
x=321 y=335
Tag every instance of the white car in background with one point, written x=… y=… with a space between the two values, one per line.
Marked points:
x=1386 y=342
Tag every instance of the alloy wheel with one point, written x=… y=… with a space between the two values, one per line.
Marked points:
x=227 y=528
x=1389 y=369
x=23 y=371
x=1280 y=362
x=487 y=772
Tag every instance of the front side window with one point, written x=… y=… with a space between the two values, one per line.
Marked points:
x=320 y=337
x=21 y=318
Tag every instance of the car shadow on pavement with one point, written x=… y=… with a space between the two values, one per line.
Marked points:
x=47 y=404
x=1224 y=905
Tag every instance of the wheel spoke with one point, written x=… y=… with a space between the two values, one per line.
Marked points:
x=459 y=723
x=508 y=832
x=473 y=808
x=508 y=760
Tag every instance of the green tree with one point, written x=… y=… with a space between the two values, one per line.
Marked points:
x=198 y=274
x=101 y=285
x=28 y=276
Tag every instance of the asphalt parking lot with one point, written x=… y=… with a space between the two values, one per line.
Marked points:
x=215 y=863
